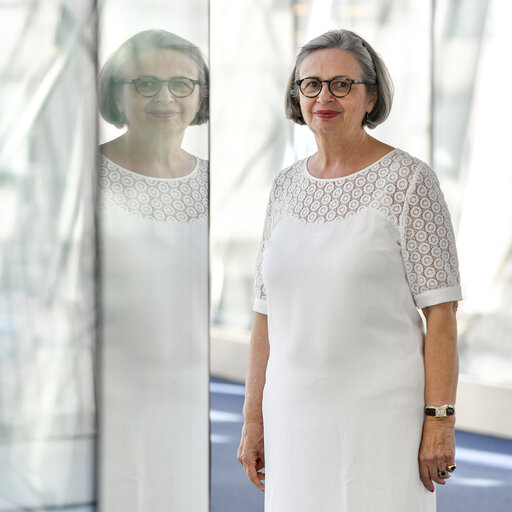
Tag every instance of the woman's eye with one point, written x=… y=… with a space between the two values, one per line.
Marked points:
x=340 y=85
x=311 y=84
x=147 y=84
x=182 y=86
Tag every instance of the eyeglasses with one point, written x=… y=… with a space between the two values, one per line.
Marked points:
x=339 y=86
x=149 y=86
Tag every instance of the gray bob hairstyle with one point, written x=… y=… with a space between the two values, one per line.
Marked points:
x=374 y=71
x=147 y=40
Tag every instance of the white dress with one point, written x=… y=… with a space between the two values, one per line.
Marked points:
x=153 y=391
x=344 y=265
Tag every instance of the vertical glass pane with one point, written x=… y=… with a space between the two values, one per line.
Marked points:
x=472 y=124
x=250 y=139
x=47 y=255
x=153 y=213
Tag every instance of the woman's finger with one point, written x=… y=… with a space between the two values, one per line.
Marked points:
x=425 y=477
x=434 y=473
x=255 y=476
x=443 y=473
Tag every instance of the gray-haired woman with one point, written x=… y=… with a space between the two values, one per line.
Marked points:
x=154 y=269
x=349 y=404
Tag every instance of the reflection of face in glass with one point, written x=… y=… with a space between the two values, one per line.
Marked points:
x=163 y=111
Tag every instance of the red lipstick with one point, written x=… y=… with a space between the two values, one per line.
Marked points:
x=326 y=114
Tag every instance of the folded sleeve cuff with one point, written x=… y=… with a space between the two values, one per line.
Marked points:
x=433 y=297
x=260 y=306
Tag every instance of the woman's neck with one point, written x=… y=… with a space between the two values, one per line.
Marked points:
x=156 y=157
x=336 y=158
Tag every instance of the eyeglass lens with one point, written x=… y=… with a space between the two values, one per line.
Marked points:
x=338 y=87
x=178 y=86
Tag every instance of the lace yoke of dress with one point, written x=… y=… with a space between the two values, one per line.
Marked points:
x=182 y=199
x=381 y=187
x=402 y=189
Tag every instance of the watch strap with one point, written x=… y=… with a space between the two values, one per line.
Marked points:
x=440 y=411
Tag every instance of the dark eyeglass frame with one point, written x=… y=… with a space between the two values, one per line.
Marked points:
x=137 y=81
x=328 y=82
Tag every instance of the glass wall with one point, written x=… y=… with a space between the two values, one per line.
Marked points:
x=153 y=247
x=249 y=140
x=471 y=127
x=47 y=255
x=56 y=314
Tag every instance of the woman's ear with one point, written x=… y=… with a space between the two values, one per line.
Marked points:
x=118 y=101
x=372 y=100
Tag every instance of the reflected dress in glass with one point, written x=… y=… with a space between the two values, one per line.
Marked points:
x=154 y=360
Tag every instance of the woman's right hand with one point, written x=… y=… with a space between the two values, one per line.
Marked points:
x=251 y=453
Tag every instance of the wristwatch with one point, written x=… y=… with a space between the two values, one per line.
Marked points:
x=441 y=411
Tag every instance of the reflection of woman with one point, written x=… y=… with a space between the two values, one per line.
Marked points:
x=153 y=206
x=357 y=238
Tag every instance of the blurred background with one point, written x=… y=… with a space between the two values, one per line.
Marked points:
x=47 y=253
x=449 y=63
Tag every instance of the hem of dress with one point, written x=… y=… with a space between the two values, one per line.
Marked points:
x=433 y=297
x=260 y=306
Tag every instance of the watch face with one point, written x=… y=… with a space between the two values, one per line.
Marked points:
x=441 y=411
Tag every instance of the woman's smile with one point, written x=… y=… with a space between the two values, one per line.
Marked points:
x=326 y=114
x=163 y=113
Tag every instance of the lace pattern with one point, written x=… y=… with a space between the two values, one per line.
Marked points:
x=161 y=199
x=399 y=187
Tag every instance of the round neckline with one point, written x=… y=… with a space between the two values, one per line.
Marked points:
x=192 y=173
x=355 y=173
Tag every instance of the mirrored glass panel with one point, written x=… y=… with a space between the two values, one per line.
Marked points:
x=153 y=215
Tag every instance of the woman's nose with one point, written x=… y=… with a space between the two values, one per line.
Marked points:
x=165 y=93
x=325 y=94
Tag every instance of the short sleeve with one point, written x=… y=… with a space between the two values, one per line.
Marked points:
x=260 y=300
x=428 y=242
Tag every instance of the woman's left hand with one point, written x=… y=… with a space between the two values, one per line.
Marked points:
x=437 y=450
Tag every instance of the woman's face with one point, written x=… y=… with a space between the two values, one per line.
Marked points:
x=327 y=113
x=163 y=112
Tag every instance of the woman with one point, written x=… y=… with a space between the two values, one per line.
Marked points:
x=357 y=239
x=154 y=263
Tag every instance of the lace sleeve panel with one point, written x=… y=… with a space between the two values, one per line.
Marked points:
x=428 y=242
x=260 y=302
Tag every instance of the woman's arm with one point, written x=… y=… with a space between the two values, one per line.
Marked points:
x=251 y=450
x=437 y=448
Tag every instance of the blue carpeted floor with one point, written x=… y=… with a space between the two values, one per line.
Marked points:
x=482 y=482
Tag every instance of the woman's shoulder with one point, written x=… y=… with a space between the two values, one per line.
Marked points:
x=105 y=164
x=108 y=157
x=407 y=161
x=414 y=169
x=287 y=179
x=202 y=163
x=290 y=172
